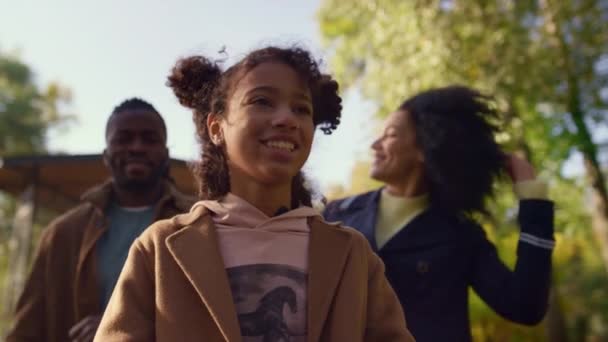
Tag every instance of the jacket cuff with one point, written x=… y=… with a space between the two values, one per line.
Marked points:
x=536 y=221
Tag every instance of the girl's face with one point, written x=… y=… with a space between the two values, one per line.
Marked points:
x=268 y=128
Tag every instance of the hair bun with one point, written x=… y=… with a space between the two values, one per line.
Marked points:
x=193 y=80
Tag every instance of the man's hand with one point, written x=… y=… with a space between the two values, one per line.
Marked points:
x=84 y=331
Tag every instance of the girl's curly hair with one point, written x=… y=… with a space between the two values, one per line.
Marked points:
x=200 y=84
x=455 y=129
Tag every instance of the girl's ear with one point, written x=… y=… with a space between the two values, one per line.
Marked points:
x=214 y=128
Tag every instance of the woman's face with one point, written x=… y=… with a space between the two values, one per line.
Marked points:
x=267 y=130
x=396 y=153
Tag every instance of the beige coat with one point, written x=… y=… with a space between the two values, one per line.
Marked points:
x=174 y=288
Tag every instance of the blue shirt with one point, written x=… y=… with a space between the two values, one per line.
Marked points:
x=124 y=226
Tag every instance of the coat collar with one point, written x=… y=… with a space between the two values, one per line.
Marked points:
x=198 y=241
x=430 y=227
x=97 y=198
x=100 y=196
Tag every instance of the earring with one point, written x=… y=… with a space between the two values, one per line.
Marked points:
x=217 y=140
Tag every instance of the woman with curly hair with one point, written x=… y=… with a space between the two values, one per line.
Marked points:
x=439 y=160
x=252 y=260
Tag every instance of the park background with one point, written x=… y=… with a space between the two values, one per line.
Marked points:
x=65 y=64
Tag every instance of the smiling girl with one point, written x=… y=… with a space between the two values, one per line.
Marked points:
x=252 y=261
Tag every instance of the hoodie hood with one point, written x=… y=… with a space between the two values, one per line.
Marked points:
x=234 y=212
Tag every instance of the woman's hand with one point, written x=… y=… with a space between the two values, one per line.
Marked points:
x=519 y=169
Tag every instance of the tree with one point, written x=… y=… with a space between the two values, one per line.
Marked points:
x=27 y=112
x=541 y=59
x=546 y=62
x=359 y=182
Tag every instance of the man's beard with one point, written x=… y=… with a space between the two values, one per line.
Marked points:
x=142 y=185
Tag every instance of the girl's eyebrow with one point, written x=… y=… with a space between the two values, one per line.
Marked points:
x=269 y=89
x=299 y=95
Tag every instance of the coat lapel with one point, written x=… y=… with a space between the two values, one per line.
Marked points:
x=195 y=249
x=328 y=250
x=365 y=208
x=427 y=229
x=369 y=223
x=86 y=269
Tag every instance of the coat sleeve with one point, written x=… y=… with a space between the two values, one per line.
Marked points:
x=520 y=295
x=385 y=317
x=130 y=313
x=30 y=314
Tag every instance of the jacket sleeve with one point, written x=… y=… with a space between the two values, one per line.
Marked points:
x=130 y=313
x=385 y=317
x=520 y=295
x=30 y=313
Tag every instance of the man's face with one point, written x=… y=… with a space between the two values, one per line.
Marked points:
x=136 y=153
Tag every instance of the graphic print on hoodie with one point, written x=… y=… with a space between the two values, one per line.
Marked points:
x=266 y=259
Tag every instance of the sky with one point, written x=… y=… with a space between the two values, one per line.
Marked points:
x=107 y=51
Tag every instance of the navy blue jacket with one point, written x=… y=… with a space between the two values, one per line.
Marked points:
x=434 y=259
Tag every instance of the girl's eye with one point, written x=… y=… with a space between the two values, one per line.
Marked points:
x=261 y=101
x=303 y=110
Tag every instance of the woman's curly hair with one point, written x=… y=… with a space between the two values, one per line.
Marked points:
x=455 y=129
x=200 y=84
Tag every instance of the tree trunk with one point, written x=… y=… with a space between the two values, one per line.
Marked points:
x=599 y=207
x=595 y=177
x=555 y=322
x=19 y=250
x=597 y=182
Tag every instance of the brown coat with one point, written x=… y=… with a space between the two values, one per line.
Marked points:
x=63 y=286
x=174 y=288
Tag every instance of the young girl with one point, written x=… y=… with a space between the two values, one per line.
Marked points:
x=252 y=261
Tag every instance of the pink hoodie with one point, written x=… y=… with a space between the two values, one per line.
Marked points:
x=266 y=260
